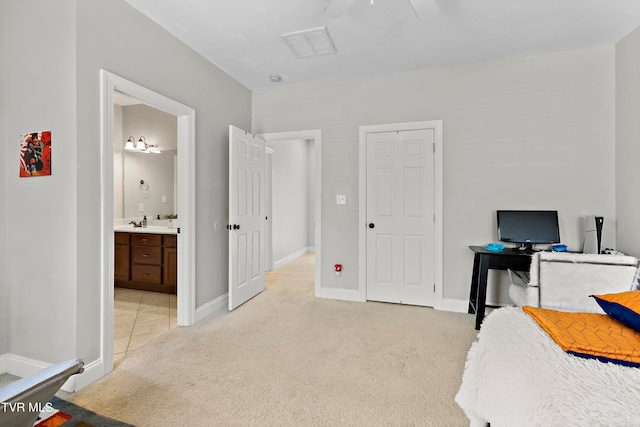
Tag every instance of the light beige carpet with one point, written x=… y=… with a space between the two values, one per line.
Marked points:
x=288 y=358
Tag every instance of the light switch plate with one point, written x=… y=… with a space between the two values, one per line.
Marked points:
x=140 y=207
x=341 y=199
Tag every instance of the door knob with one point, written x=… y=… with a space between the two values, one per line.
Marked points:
x=236 y=226
x=371 y=225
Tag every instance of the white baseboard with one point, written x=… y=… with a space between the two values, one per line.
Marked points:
x=24 y=367
x=212 y=306
x=92 y=372
x=339 y=294
x=454 y=305
x=286 y=260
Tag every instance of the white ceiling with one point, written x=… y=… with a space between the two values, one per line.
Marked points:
x=243 y=37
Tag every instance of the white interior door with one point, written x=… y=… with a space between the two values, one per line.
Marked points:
x=246 y=216
x=400 y=217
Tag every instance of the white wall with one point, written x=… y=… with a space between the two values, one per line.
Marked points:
x=158 y=61
x=530 y=132
x=4 y=242
x=627 y=143
x=41 y=267
x=157 y=170
x=291 y=195
x=53 y=311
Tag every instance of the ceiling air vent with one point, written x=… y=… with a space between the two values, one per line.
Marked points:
x=310 y=43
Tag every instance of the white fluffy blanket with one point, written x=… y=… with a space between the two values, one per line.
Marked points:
x=516 y=375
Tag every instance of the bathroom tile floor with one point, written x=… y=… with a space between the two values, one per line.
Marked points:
x=139 y=318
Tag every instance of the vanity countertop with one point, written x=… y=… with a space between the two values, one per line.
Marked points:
x=151 y=229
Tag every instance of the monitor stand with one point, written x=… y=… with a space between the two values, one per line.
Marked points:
x=526 y=248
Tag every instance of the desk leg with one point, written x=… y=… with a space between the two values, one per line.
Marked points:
x=473 y=293
x=483 y=270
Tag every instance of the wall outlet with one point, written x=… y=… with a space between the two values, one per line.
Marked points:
x=140 y=207
x=341 y=199
x=164 y=198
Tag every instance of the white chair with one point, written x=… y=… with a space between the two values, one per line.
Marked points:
x=565 y=281
x=23 y=399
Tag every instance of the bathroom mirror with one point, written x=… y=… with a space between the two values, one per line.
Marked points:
x=144 y=183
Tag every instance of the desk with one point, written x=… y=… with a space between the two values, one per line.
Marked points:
x=484 y=260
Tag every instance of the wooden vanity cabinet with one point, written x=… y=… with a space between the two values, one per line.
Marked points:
x=122 y=255
x=146 y=262
x=171 y=259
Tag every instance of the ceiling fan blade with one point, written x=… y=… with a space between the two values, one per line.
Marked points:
x=423 y=8
x=413 y=7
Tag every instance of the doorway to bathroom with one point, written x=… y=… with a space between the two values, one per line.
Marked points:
x=144 y=189
x=111 y=85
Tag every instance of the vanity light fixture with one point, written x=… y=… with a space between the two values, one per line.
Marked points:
x=141 y=146
x=129 y=144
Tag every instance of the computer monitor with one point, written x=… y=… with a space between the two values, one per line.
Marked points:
x=528 y=228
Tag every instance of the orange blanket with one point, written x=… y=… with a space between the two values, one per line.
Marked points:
x=590 y=335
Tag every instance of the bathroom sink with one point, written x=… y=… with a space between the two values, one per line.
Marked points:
x=156 y=229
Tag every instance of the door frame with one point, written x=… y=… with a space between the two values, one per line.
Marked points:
x=185 y=116
x=268 y=208
x=436 y=126
x=316 y=135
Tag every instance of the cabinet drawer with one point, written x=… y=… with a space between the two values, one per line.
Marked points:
x=146 y=239
x=171 y=240
x=146 y=273
x=146 y=255
x=122 y=238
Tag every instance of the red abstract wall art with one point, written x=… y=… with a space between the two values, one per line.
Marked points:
x=35 y=154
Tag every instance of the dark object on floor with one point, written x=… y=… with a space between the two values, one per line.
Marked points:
x=81 y=417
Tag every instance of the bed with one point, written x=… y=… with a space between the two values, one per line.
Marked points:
x=517 y=375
